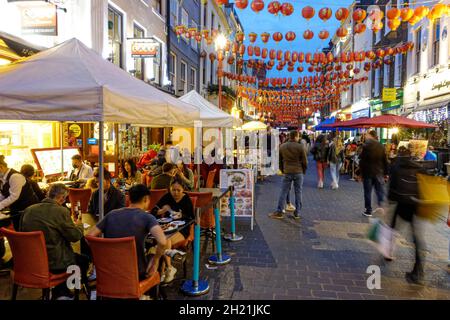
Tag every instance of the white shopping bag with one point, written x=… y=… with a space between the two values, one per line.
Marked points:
x=386 y=241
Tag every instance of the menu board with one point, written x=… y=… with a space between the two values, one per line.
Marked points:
x=242 y=180
x=49 y=160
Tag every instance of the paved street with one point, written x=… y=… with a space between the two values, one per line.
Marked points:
x=324 y=255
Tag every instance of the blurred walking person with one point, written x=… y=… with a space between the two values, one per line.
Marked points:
x=336 y=159
x=373 y=166
x=320 y=152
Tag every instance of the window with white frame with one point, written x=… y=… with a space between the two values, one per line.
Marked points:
x=173 y=70
x=205 y=14
x=193 y=41
x=157 y=69
x=174 y=12
x=211 y=75
x=213 y=21
x=139 y=64
x=193 y=80
x=204 y=71
x=183 y=77
x=398 y=70
x=185 y=21
x=377 y=82
x=436 y=41
x=417 y=48
x=115 y=36
x=386 y=72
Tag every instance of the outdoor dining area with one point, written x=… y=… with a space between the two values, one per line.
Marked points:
x=93 y=90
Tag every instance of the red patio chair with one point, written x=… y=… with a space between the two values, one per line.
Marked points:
x=207 y=221
x=116 y=266
x=155 y=196
x=30 y=260
x=82 y=195
x=210 y=179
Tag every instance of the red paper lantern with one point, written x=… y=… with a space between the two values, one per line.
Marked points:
x=277 y=37
x=272 y=54
x=287 y=9
x=308 y=57
x=250 y=50
x=325 y=14
x=241 y=4
x=359 y=15
x=324 y=34
x=252 y=37
x=393 y=13
x=274 y=7
x=342 y=14
x=279 y=55
x=222 y=2
x=394 y=24
x=301 y=57
x=380 y=53
x=308 y=35
x=300 y=69
x=294 y=57
x=406 y=14
x=239 y=36
x=290 y=36
x=342 y=32
x=287 y=55
x=257 y=51
x=360 y=28
x=212 y=57
x=242 y=49
x=265 y=37
x=264 y=53
x=310 y=69
x=257 y=5
x=308 y=12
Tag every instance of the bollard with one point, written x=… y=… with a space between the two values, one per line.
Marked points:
x=196 y=287
x=220 y=258
x=233 y=236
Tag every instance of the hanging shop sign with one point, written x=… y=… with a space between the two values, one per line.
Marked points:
x=76 y=129
x=144 y=47
x=39 y=18
x=389 y=94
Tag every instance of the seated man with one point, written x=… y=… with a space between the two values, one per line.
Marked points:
x=114 y=199
x=134 y=221
x=81 y=172
x=163 y=180
x=430 y=155
x=59 y=230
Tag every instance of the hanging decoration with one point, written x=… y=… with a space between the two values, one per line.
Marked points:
x=290 y=36
x=342 y=32
x=257 y=5
x=359 y=15
x=287 y=9
x=308 y=12
x=325 y=14
x=277 y=37
x=342 y=14
x=252 y=37
x=274 y=7
x=241 y=4
x=308 y=35
x=265 y=37
x=324 y=34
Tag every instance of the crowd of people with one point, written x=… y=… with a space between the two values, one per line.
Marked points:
x=33 y=209
x=367 y=160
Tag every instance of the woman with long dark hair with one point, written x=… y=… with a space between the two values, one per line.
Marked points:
x=185 y=175
x=130 y=173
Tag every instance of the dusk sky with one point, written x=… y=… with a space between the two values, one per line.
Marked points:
x=266 y=22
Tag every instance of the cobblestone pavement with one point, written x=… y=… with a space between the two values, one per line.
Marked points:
x=324 y=255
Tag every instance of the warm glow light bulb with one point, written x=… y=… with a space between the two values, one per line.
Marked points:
x=221 y=41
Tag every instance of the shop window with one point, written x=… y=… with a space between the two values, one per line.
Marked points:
x=377 y=82
x=436 y=41
x=183 y=77
x=115 y=37
x=417 y=49
x=172 y=71
x=193 y=79
x=386 y=76
x=18 y=138
x=139 y=65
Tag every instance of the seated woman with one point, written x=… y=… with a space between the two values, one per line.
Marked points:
x=28 y=172
x=130 y=174
x=178 y=202
x=185 y=175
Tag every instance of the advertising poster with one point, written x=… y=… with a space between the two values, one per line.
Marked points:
x=242 y=180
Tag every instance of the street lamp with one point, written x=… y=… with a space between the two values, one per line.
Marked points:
x=220 y=43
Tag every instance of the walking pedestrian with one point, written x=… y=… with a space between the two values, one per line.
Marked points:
x=373 y=166
x=403 y=189
x=336 y=160
x=320 y=153
x=293 y=164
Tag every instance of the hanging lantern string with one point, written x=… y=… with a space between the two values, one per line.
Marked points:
x=328 y=4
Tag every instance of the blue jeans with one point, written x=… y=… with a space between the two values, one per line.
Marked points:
x=369 y=184
x=297 y=179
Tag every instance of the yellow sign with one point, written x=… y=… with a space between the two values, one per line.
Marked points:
x=389 y=94
x=76 y=129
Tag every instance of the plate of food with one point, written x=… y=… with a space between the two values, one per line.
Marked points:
x=178 y=223
x=236 y=179
x=165 y=220
x=169 y=227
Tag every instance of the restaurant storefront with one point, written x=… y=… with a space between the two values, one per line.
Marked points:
x=379 y=107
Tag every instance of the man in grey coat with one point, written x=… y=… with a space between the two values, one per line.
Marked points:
x=293 y=164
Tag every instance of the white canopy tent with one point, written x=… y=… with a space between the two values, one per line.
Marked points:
x=210 y=115
x=71 y=82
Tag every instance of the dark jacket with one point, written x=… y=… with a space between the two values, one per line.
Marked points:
x=161 y=182
x=37 y=190
x=373 y=160
x=58 y=228
x=293 y=158
x=320 y=151
x=115 y=200
x=403 y=180
x=333 y=157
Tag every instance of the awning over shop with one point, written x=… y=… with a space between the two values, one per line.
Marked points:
x=71 y=82
x=210 y=115
x=13 y=48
